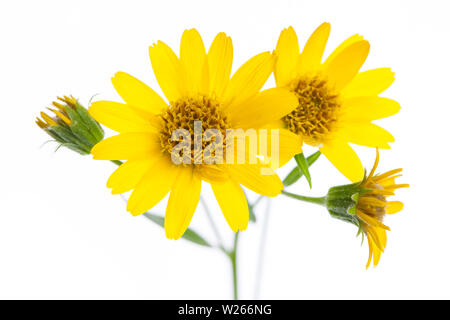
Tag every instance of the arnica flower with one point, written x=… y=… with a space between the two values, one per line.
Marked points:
x=336 y=102
x=71 y=125
x=197 y=87
x=365 y=205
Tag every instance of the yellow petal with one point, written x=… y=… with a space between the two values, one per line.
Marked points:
x=376 y=256
x=360 y=109
x=119 y=117
x=386 y=175
x=182 y=203
x=289 y=144
x=371 y=220
x=371 y=202
x=369 y=241
x=393 y=186
x=168 y=70
x=193 y=58
x=344 y=67
x=128 y=175
x=41 y=123
x=367 y=134
x=233 y=204
x=249 y=78
x=287 y=52
x=342 y=46
x=342 y=156
x=256 y=179
x=277 y=124
x=369 y=83
x=381 y=232
x=375 y=165
x=390 y=182
x=153 y=187
x=394 y=207
x=379 y=243
x=211 y=173
x=264 y=108
x=48 y=119
x=312 y=53
x=137 y=93
x=61 y=116
x=382 y=192
x=127 y=146
x=220 y=59
x=376 y=240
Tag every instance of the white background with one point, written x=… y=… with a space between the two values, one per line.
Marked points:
x=63 y=235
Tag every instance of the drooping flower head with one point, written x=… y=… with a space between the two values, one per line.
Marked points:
x=336 y=102
x=198 y=90
x=365 y=204
x=71 y=125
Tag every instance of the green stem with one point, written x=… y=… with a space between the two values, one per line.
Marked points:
x=233 y=259
x=257 y=201
x=260 y=261
x=213 y=225
x=318 y=200
x=118 y=162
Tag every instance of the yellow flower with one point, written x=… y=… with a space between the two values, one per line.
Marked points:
x=373 y=206
x=336 y=102
x=365 y=204
x=198 y=87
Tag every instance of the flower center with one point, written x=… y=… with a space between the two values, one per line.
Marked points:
x=317 y=110
x=195 y=117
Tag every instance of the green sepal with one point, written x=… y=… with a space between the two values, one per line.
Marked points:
x=189 y=235
x=80 y=129
x=54 y=135
x=303 y=167
x=341 y=201
x=347 y=218
x=295 y=174
x=92 y=125
x=251 y=211
x=361 y=232
x=251 y=214
x=65 y=136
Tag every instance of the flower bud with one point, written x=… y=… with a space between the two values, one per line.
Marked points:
x=71 y=125
x=365 y=205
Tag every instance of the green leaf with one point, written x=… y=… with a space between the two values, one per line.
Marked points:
x=303 y=166
x=295 y=174
x=189 y=235
x=251 y=212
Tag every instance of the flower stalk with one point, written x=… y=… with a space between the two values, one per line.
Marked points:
x=318 y=200
x=233 y=259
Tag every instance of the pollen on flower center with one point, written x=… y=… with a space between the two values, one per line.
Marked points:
x=183 y=114
x=317 y=110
